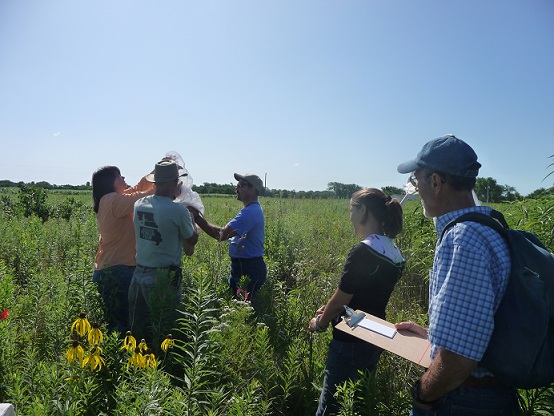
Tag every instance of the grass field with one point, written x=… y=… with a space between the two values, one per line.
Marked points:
x=229 y=359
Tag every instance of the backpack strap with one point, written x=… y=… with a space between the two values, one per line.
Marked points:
x=496 y=221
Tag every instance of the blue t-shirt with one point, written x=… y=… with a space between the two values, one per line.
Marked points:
x=161 y=225
x=249 y=225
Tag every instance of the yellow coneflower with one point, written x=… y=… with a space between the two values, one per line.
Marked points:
x=81 y=324
x=94 y=359
x=95 y=336
x=137 y=359
x=75 y=351
x=149 y=359
x=130 y=343
x=168 y=343
x=142 y=345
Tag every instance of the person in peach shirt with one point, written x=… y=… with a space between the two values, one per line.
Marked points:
x=115 y=259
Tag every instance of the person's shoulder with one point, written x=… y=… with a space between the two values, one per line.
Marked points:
x=144 y=200
x=254 y=205
x=173 y=206
x=445 y=220
x=108 y=198
x=254 y=208
x=181 y=211
x=472 y=233
x=111 y=196
x=360 y=249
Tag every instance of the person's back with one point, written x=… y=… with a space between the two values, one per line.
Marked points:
x=161 y=229
x=115 y=226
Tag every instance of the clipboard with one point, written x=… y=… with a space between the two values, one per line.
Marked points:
x=383 y=334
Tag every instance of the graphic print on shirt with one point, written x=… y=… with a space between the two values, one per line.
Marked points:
x=148 y=227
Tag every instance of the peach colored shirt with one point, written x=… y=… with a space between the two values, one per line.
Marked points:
x=115 y=225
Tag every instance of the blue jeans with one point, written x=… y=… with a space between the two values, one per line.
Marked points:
x=154 y=295
x=344 y=361
x=255 y=268
x=113 y=286
x=472 y=401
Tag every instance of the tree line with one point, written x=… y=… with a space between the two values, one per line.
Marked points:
x=487 y=190
x=44 y=185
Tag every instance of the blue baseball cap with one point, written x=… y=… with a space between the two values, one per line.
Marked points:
x=447 y=154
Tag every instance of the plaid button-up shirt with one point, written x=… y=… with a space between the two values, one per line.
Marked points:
x=468 y=279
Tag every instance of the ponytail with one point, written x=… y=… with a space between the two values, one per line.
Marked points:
x=386 y=210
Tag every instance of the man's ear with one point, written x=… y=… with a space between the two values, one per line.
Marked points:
x=437 y=183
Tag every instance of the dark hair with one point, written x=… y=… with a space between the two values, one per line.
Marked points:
x=102 y=183
x=459 y=183
x=385 y=209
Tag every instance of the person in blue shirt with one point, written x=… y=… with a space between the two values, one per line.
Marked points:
x=245 y=233
x=466 y=283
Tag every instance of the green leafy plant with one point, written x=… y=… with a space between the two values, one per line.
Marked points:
x=229 y=357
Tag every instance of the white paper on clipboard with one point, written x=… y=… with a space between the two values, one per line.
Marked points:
x=384 y=330
x=405 y=344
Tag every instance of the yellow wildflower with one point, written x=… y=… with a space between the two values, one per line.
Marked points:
x=75 y=351
x=149 y=359
x=137 y=359
x=94 y=359
x=168 y=343
x=95 y=336
x=142 y=345
x=81 y=324
x=130 y=343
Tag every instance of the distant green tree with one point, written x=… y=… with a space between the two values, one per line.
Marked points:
x=43 y=185
x=509 y=193
x=7 y=184
x=214 y=188
x=392 y=190
x=537 y=193
x=488 y=190
x=343 y=190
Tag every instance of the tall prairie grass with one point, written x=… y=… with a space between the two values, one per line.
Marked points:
x=230 y=357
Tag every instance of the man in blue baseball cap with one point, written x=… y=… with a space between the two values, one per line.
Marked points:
x=468 y=279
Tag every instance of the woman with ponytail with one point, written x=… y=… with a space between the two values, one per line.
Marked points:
x=372 y=269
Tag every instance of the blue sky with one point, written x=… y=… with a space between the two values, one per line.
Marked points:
x=302 y=93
